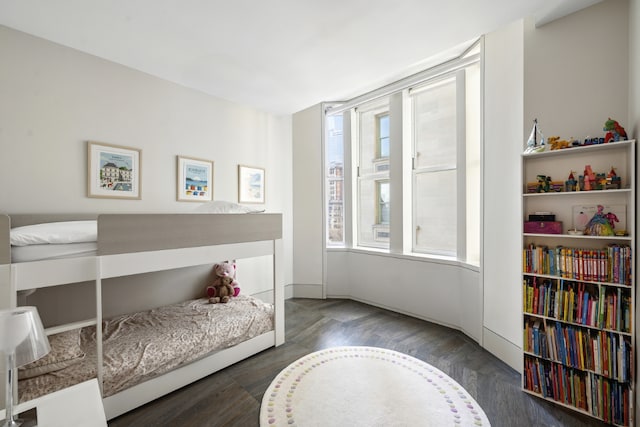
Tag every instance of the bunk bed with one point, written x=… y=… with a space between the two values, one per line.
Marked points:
x=131 y=244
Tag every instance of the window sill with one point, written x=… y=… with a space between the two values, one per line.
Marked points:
x=433 y=259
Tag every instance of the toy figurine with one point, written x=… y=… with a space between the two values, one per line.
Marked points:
x=533 y=146
x=615 y=132
x=544 y=183
x=570 y=183
x=613 y=180
x=589 y=178
x=556 y=143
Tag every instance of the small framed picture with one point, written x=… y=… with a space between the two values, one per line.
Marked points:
x=250 y=184
x=195 y=180
x=113 y=171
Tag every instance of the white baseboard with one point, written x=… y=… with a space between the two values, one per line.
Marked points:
x=503 y=349
x=306 y=291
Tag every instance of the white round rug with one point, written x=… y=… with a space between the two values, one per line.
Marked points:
x=366 y=386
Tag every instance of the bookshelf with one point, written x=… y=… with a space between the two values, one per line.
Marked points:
x=578 y=288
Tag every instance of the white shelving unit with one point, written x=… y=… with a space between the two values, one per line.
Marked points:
x=579 y=290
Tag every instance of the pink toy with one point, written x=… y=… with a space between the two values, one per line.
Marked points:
x=589 y=178
x=224 y=284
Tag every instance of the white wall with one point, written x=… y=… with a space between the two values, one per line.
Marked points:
x=442 y=292
x=634 y=116
x=308 y=242
x=561 y=74
x=634 y=68
x=53 y=99
x=501 y=245
x=576 y=71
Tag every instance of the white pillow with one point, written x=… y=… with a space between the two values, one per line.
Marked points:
x=219 y=206
x=55 y=232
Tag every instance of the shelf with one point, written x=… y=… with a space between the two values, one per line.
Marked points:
x=548 y=276
x=577 y=193
x=573 y=408
x=557 y=362
x=545 y=293
x=596 y=328
x=593 y=149
x=578 y=236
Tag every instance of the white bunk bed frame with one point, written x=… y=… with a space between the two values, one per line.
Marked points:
x=139 y=243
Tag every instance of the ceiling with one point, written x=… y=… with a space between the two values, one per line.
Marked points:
x=279 y=56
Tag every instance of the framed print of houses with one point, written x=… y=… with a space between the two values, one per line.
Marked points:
x=113 y=171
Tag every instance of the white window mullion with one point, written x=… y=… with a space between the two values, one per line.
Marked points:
x=461 y=161
x=396 y=155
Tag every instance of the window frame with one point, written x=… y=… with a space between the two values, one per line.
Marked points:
x=398 y=166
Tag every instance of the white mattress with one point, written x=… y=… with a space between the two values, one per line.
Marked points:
x=52 y=251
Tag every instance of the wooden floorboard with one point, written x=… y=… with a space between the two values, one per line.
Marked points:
x=232 y=397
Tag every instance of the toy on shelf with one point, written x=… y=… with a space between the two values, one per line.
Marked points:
x=589 y=178
x=557 y=144
x=535 y=143
x=615 y=132
x=571 y=184
x=544 y=183
x=601 y=224
x=597 y=181
x=613 y=181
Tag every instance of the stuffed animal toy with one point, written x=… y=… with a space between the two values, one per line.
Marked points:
x=222 y=292
x=224 y=276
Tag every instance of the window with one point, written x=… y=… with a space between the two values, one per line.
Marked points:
x=334 y=148
x=434 y=119
x=382 y=195
x=382 y=125
x=428 y=159
x=372 y=145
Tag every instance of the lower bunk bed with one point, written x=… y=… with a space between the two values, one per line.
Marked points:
x=139 y=346
x=140 y=356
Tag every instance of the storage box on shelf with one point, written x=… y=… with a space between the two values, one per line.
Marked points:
x=578 y=281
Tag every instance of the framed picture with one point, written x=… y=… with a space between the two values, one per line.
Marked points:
x=195 y=180
x=113 y=171
x=250 y=184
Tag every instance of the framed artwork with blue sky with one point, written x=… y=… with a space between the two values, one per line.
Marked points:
x=195 y=180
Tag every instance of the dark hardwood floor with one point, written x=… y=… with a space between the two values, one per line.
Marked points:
x=232 y=396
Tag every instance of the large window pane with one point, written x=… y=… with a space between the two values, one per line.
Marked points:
x=434 y=116
x=373 y=213
x=334 y=149
x=435 y=212
x=383 y=135
x=373 y=138
x=435 y=145
x=373 y=177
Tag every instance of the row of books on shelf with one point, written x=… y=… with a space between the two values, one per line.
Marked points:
x=602 y=398
x=611 y=264
x=578 y=302
x=604 y=353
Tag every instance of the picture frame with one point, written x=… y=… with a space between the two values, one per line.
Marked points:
x=113 y=171
x=251 y=184
x=194 y=179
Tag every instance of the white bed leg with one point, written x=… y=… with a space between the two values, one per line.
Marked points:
x=99 y=366
x=278 y=291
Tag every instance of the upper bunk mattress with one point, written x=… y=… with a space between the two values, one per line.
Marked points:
x=139 y=346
